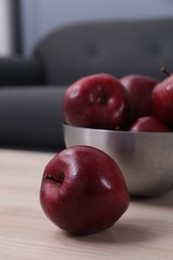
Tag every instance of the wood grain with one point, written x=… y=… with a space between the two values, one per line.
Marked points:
x=145 y=231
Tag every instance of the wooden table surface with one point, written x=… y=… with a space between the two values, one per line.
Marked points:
x=145 y=231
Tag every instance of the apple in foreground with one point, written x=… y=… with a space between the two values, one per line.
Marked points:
x=149 y=124
x=162 y=100
x=83 y=190
x=140 y=88
x=97 y=101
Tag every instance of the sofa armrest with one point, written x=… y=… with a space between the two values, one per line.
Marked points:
x=17 y=71
x=32 y=116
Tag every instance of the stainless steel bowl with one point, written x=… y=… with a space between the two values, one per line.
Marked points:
x=145 y=159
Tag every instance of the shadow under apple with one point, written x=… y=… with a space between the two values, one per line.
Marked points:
x=119 y=233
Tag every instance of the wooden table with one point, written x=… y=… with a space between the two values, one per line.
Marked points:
x=145 y=231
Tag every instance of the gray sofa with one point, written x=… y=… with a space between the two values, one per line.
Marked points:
x=31 y=89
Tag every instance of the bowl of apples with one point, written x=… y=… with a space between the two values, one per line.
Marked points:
x=131 y=119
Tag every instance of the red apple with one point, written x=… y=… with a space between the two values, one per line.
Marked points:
x=162 y=100
x=97 y=101
x=83 y=190
x=149 y=124
x=140 y=88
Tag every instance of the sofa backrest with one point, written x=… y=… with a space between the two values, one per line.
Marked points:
x=116 y=47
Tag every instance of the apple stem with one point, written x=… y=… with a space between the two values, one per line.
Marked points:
x=51 y=178
x=100 y=101
x=165 y=71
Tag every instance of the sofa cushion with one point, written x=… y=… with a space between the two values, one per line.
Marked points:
x=19 y=71
x=31 y=116
x=116 y=47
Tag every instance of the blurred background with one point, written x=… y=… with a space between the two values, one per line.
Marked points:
x=24 y=22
